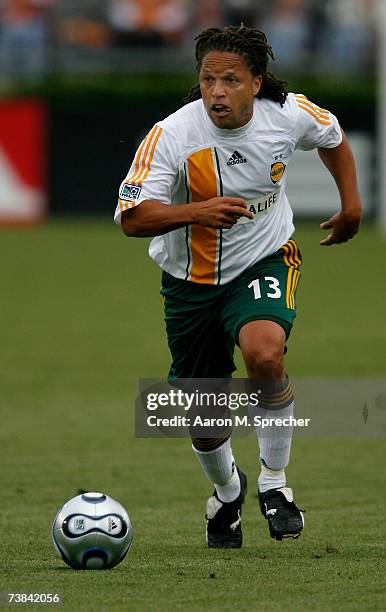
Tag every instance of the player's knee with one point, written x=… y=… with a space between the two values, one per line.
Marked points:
x=265 y=361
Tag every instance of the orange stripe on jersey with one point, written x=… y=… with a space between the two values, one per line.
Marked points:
x=314 y=109
x=290 y=255
x=307 y=102
x=292 y=259
x=142 y=164
x=150 y=158
x=314 y=115
x=128 y=205
x=296 y=255
x=287 y=255
x=145 y=160
x=139 y=157
x=203 y=185
x=320 y=114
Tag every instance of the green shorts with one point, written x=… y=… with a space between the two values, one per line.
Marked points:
x=203 y=321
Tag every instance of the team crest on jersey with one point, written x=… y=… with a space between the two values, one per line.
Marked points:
x=130 y=192
x=277 y=171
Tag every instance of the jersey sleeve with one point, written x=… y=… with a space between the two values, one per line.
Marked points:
x=315 y=126
x=152 y=174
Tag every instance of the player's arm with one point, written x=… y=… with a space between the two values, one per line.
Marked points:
x=152 y=218
x=344 y=224
x=144 y=207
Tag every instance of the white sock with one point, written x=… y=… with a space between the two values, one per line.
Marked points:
x=275 y=441
x=230 y=490
x=271 y=479
x=219 y=466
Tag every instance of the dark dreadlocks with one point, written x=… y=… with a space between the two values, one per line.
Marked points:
x=252 y=45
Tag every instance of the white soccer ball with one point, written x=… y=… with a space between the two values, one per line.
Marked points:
x=92 y=531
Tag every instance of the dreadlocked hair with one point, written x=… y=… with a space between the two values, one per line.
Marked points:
x=252 y=45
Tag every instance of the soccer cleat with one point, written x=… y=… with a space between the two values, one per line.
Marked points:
x=284 y=518
x=223 y=520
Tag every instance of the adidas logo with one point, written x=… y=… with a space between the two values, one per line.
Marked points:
x=112 y=524
x=236 y=158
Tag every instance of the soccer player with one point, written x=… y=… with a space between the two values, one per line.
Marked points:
x=209 y=183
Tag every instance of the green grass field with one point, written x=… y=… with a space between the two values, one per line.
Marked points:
x=81 y=322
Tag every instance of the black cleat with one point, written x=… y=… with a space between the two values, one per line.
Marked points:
x=223 y=520
x=284 y=518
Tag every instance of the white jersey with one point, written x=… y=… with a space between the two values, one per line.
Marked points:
x=186 y=158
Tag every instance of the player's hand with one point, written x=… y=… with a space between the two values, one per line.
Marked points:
x=344 y=226
x=221 y=212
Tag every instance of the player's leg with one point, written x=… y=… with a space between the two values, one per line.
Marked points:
x=261 y=313
x=200 y=350
x=223 y=508
x=262 y=345
x=197 y=345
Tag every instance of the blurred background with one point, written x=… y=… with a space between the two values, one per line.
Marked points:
x=81 y=316
x=82 y=81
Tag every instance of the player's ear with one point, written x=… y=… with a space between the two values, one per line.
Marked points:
x=257 y=83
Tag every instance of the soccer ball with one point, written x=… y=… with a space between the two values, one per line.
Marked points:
x=92 y=531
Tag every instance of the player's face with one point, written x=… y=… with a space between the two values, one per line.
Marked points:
x=228 y=89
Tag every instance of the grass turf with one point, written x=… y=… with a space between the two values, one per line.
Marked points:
x=82 y=321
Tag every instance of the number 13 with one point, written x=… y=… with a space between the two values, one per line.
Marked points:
x=273 y=283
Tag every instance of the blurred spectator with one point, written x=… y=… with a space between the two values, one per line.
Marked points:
x=148 y=22
x=287 y=31
x=305 y=34
x=82 y=24
x=317 y=28
x=207 y=15
x=349 y=39
x=248 y=12
x=24 y=34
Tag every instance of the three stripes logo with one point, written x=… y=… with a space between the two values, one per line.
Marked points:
x=236 y=158
x=112 y=524
x=293 y=260
x=321 y=115
x=131 y=189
